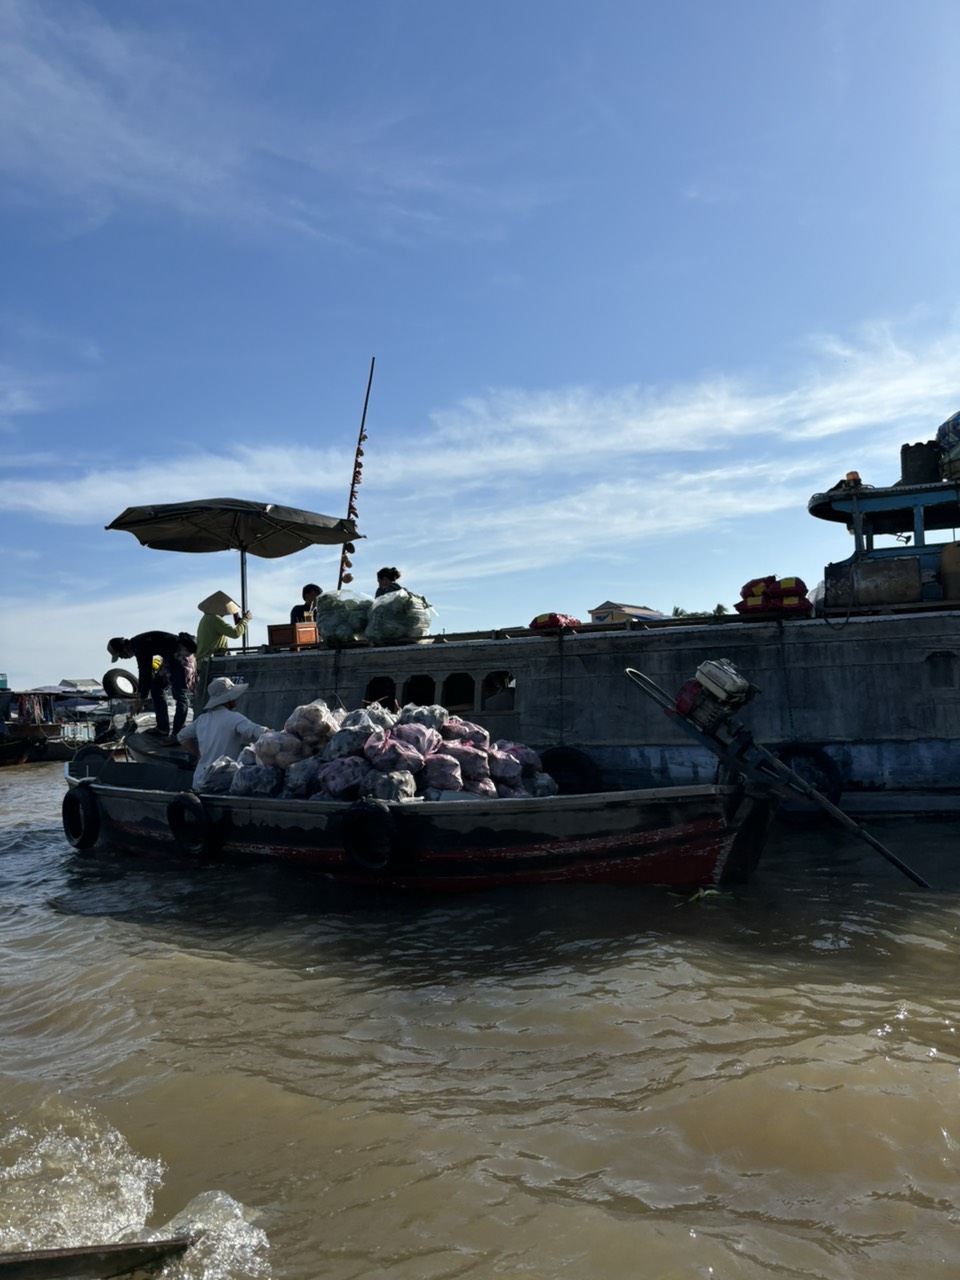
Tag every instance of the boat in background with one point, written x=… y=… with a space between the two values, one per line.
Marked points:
x=13 y=751
x=53 y=722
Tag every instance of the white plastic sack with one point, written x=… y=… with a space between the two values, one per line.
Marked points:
x=220 y=774
x=280 y=748
x=399 y=615
x=300 y=781
x=257 y=780
x=312 y=723
x=434 y=717
x=342 y=616
x=399 y=785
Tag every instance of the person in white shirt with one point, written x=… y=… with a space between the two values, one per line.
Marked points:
x=219 y=730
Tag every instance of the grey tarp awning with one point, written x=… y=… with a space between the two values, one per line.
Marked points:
x=223 y=524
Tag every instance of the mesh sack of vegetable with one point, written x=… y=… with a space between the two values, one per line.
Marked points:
x=313 y=723
x=398 y=785
x=399 y=615
x=257 y=780
x=342 y=616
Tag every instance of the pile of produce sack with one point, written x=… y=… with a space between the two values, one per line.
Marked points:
x=419 y=753
x=346 y=617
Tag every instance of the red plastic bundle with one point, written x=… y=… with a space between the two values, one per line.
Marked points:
x=547 y=620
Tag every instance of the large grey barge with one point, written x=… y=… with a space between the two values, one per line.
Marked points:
x=871 y=681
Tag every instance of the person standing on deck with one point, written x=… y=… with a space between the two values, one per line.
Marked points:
x=177 y=669
x=219 y=730
x=214 y=631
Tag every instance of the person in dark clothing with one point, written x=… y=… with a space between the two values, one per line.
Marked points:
x=388 y=579
x=304 y=612
x=177 y=670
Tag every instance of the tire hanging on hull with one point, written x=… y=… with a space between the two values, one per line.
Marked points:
x=190 y=824
x=369 y=836
x=80 y=815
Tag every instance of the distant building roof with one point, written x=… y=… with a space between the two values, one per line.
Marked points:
x=613 y=611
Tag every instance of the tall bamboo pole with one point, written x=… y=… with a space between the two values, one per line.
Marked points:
x=345 y=561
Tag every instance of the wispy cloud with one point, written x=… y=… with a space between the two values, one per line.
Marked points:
x=99 y=118
x=540 y=471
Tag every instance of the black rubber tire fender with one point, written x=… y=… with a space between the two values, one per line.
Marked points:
x=370 y=837
x=574 y=772
x=118 y=683
x=80 y=815
x=91 y=752
x=816 y=766
x=190 y=824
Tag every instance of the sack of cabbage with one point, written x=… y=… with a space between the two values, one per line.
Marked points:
x=346 y=617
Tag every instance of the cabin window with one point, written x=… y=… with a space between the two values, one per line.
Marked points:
x=382 y=689
x=420 y=690
x=941 y=668
x=458 y=691
x=499 y=692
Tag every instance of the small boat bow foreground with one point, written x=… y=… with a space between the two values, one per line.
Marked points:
x=94 y=1262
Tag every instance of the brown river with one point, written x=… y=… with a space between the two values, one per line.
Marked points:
x=581 y=1083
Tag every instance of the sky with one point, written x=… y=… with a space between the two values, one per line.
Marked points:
x=638 y=280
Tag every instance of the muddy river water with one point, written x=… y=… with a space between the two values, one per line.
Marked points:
x=595 y=1083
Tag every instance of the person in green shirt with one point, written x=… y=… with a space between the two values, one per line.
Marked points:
x=214 y=631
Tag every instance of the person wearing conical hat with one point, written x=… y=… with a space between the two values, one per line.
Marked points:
x=214 y=631
x=219 y=730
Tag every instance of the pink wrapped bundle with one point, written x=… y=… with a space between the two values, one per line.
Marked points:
x=457 y=730
x=340 y=779
x=529 y=760
x=472 y=762
x=440 y=770
x=388 y=754
x=504 y=767
x=484 y=787
x=418 y=735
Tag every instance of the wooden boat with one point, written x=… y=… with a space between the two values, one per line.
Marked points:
x=14 y=751
x=93 y=1262
x=683 y=836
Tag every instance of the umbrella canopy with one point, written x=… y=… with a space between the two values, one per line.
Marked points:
x=224 y=524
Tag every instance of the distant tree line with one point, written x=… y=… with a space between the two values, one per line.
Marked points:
x=716 y=612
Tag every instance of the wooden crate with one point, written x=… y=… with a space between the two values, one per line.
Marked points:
x=292 y=635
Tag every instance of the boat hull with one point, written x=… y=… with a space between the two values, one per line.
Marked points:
x=689 y=837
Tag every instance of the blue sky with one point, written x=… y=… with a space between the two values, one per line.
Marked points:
x=639 y=279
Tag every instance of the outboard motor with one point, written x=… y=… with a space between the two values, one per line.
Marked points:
x=714 y=695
